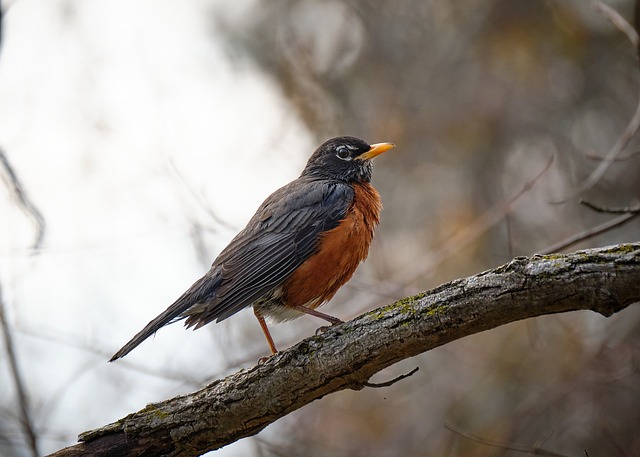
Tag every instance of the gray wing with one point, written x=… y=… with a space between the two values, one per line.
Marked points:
x=282 y=234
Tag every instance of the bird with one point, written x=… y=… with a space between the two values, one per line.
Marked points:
x=304 y=242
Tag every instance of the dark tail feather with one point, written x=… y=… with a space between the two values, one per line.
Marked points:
x=201 y=292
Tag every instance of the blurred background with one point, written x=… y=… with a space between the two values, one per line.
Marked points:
x=146 y=132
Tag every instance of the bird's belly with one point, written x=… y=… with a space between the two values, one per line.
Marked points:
x=272 y=306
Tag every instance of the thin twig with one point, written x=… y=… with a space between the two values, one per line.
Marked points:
x=198 y=198
x=378 y=385
x=616 y=19
x=630 y=156
x=628 y=213
x=603 y=209
x=506 y=446
x=473 y=231
x=574 y=239
x=611 y=157
x=634 y=124
x=23 y=200
x=23 y=401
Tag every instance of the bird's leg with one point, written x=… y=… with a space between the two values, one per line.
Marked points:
x=312 y=312
x=303 y=309
x=267 y=334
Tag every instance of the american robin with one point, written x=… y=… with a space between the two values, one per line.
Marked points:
x=304 y=242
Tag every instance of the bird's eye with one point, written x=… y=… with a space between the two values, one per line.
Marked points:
x=343 y=153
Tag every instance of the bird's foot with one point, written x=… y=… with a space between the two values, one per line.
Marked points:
x=324 y=328
x=263 y=359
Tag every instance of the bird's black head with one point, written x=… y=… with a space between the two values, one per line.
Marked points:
x=344 y=158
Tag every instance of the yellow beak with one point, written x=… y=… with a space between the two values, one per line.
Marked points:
x=376 y=150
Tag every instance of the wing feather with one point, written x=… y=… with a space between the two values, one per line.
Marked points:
x=284 y=232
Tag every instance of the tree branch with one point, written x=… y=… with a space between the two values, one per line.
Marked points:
x=603 y=280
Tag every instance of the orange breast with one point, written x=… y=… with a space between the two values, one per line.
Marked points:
x=340 y=252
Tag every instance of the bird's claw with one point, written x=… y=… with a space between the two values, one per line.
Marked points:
x=264 y=359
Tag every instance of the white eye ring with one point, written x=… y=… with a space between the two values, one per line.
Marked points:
x=342 y=153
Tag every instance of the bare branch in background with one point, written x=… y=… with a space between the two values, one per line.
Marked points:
x=637 y=22
x=634 y=124
x=612 y=156
x=26 y=205
x=198 y=198
x=629 y=156
x=614 y=153
x=24 y=202
x=629 y=213
x=18 y=383
x=617 y=20
x=459 y=240
x=582 y=236
x=505 y=446
x=603 y=209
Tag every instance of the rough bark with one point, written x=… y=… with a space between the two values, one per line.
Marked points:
x=603 y=280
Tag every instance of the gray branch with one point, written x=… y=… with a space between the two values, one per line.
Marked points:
x=603 y=280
